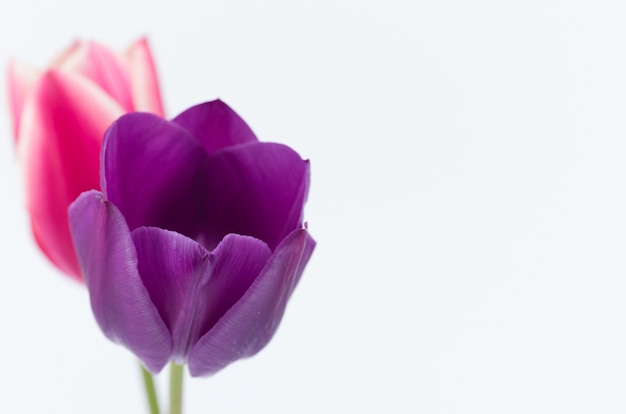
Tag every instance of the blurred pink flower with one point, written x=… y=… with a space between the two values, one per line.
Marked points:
x=59 y=119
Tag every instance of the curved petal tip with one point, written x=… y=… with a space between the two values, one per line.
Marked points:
x=251 y=322
x=120 y=302
x=144 y=79
x=20 y=81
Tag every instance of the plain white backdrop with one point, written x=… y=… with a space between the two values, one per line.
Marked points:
x=468 y=198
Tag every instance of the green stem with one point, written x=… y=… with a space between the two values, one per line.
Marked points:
x=148 y=382
x=176 y=388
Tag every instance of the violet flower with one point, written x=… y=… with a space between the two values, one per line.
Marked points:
x=197 y=243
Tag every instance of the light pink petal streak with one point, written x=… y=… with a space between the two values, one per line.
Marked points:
x=144 y=81
x=20 y=80
x=104 y=68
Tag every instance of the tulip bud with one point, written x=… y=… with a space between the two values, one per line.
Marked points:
x=59 y=119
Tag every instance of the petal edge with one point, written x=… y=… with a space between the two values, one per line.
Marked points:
x=215 y=125
x=143 y=77
x=119 y=300
x=250 y=324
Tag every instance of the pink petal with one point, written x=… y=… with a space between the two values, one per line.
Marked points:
x=144 y=79
x=21 y=79
x=60 y=135
x=119 y=300
x=104 y=68
x=65 y=54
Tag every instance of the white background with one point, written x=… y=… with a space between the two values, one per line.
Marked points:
x=468 y=198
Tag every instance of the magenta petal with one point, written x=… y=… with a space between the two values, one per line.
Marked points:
x=150 y=172
x=61 y=130
x=249 y=325
x=257 y=189
x=215 y=125
x=119 y=300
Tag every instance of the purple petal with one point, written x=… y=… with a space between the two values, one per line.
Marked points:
x=172 y=267
x=191 y=288
x=150 y=169
x=249 y=325
x=119 y=299
x=235 y=263
x=215 y=125
x=256 y=189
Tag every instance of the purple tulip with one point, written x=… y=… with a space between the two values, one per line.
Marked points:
x=195 y=246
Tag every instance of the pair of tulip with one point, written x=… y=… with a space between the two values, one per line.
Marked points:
x=188 y=233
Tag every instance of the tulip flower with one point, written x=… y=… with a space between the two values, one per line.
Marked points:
x=196 y=243
x=59 y=119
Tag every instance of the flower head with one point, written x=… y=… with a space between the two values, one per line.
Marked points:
x=197 y=242
x=59 y=119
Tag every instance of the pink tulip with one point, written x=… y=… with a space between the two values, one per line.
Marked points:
x=59 y=119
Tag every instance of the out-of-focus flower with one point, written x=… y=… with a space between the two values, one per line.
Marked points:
x=59 y=119
x=197 y=243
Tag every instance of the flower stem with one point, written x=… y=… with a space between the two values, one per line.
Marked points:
x=176 y=388
x=148 y=382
